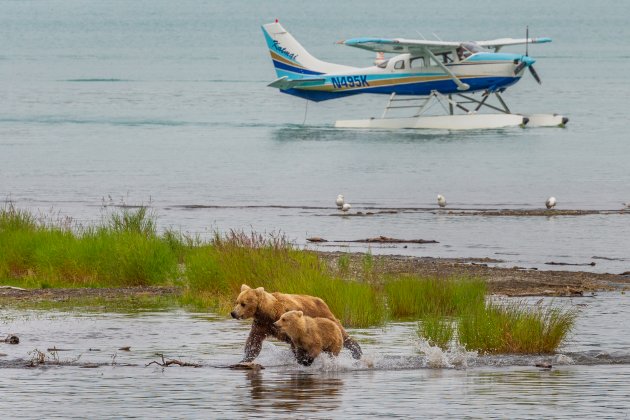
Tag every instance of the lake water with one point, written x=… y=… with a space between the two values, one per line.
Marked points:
x=397 y=377
x=164 y=104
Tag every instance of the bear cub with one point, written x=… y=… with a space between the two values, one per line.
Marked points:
x=311 y=336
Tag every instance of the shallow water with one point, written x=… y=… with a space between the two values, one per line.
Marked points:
x=167 y=105
x=399 y=376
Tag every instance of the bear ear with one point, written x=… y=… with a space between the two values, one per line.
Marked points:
x=299 y=314
x=244 y=287
x=260 y=290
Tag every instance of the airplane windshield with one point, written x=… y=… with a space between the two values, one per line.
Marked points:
x=383 y=64
x=473 y=47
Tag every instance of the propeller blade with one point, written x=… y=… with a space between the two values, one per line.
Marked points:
x=535 y=74
x=520 y=66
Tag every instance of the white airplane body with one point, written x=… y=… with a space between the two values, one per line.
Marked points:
x=421 y=68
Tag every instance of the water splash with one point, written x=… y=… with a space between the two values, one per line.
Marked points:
x=455 y=356
x=563 y=359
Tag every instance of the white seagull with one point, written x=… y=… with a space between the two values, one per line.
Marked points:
x=551 y=202
x=441 y=200
x=339 y=201
x=345 y=207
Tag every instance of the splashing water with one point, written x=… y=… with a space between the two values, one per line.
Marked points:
x=455 y=356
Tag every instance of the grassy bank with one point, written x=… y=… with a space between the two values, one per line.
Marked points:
x=125 y=249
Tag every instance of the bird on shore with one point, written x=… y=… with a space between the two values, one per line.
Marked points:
x=626 y=206
x=345 y=207
x=441 y=200
x=550 y=203
x=339 y=201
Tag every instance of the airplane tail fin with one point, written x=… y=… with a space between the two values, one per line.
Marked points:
x=290 y=58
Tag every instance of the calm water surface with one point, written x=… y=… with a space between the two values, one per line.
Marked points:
x=153 y=103
x=166 y=104
x=398 y=376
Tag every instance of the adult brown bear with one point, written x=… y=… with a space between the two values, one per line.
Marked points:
x=266 y=308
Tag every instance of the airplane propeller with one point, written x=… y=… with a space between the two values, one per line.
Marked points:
x=526 y=61
x=535 y=75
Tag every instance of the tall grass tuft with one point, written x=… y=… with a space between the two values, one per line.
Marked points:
x=140 y=221
x=437 y=330
x=516 y=328
x=416 y=297
x=12 y=219
x=453 y=308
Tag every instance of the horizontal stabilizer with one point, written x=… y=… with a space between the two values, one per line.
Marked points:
x=284 y=83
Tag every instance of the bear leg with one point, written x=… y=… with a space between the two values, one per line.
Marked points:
x=354 y=347
x=253 y=345
x=303 y=357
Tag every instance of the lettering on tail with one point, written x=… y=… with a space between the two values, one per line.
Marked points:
x=281 y=49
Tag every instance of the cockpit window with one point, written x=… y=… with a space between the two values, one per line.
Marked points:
x=471 y=47
x=400 y=64
x=417 y=62
x=383 y=64
x=466 y=49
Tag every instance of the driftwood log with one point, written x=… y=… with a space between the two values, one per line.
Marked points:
x=592 y=264
x=379 y=240
x=170 y=362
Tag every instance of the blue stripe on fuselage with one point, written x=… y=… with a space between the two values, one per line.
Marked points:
x=418 y=89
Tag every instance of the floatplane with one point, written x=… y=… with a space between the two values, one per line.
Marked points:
x=461 y=77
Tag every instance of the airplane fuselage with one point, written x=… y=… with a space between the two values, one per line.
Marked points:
x=404 y=75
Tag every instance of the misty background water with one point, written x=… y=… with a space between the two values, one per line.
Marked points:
x=164 y=104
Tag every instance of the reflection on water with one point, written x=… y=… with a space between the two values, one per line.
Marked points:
x=294 y=391
x=398 y=375
x=298 y=133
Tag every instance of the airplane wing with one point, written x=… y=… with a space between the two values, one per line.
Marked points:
x=401 y=45
x=497 y=44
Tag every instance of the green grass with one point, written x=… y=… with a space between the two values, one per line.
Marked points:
x=125 y=249
x=416 y=297
x=120 y=304
x=438 y=330
x=343 y=265
x=456 y=309
x=215 y=273
x=515 y=328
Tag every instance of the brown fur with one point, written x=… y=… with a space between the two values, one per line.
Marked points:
x=266 y=308
x=311 y=335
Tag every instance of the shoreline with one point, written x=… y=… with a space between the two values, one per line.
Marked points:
x=512 y=282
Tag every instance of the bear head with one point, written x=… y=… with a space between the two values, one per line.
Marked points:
x=290 y=322
x=247 y=302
